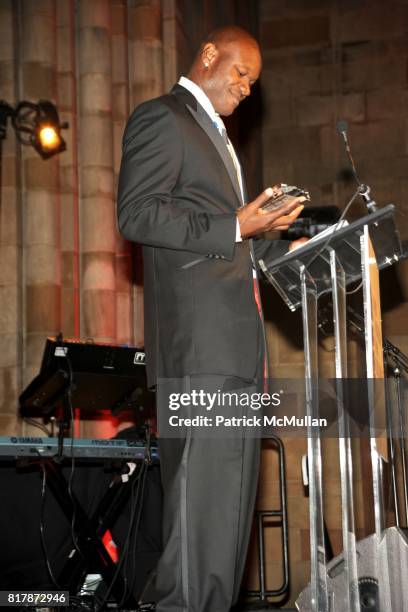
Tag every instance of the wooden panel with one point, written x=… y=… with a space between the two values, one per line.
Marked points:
x=377 y=344
x=378 y=355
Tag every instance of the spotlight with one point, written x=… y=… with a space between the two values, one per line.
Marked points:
x=48 y=138
x=38 y=125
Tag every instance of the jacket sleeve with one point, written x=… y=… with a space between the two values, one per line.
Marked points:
x=148 y=212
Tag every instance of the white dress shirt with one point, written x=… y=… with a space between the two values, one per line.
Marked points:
x=205 y=102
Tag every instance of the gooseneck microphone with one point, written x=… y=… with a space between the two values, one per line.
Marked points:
x=364 y=190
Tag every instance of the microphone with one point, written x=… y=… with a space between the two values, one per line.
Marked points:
x=341 y=127
x=364 y=190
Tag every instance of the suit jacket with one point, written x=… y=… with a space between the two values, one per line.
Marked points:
x=178 y=195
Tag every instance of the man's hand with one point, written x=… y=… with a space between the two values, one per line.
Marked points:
x=295 y=244
x=253 y=220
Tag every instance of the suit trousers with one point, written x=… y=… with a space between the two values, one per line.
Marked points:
x=209 y=488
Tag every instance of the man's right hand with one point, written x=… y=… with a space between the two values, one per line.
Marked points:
x=254 y=220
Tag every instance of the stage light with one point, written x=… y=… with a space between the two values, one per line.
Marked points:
x=39 y=125
x=48 y=138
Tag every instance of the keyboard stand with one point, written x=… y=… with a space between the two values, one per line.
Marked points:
x=93 y=556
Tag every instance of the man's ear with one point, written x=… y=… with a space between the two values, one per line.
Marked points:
x=209 y=54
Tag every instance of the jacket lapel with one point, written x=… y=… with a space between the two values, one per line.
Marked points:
x=213 y=134
x=204 y=121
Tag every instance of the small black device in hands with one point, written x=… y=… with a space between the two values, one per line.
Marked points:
x=288 y=193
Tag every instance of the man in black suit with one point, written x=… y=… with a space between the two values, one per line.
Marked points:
x=182 y=195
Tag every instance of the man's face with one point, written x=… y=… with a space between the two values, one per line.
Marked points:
x=232 y=70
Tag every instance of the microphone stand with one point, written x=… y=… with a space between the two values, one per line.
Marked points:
x=364 y=190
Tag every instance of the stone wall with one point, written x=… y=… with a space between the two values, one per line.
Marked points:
x=64 y=265
x=325 y=61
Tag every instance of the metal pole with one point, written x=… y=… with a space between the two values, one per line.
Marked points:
x=338 y=281
x=318 y=582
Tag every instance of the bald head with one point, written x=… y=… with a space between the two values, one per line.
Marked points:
x=230 y=35
x=226 y=66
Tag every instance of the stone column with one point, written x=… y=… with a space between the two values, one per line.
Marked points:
x=10 y=238
x=68 y=169
x=120 y=111
x=145 y=49
x=41 y=226
x=95 y=157
x=96 y=190
x=172 y=33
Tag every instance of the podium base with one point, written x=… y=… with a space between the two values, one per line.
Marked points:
x=382 y=570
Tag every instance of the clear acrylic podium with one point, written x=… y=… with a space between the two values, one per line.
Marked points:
x=328 y=265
